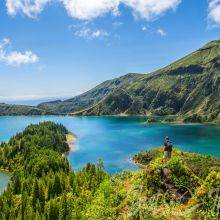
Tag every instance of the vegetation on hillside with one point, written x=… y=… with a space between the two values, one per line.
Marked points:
x=90 y=98
x=44 y=186
x=6 y=109
x=188 y=88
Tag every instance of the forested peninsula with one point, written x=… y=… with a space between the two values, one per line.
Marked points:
x=43 y=185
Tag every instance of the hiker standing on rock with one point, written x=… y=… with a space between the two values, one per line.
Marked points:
x=168 y=147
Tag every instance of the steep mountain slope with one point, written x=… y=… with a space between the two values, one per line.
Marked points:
x=6 y=109
x=90 y=98
x=189 y=87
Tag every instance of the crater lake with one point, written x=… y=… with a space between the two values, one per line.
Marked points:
x=115 y=139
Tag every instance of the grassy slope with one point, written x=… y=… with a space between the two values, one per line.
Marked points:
x=199 y=164
x=189 y=87
x=168 y=190
x=90 y=98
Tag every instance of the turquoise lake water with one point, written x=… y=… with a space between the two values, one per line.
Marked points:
x=116 y=139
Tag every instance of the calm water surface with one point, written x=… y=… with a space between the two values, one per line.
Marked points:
x=116 y=139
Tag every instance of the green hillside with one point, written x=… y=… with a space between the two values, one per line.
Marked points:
x=89 y=98
x=6 y=109
x=189 y=88
x=43 y=185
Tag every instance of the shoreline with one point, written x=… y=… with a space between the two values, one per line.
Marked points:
x=71 y=139
x=178 y=122
x=141 y=166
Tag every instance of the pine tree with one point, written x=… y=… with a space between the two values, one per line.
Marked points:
x=35 y=194
x=57 y=188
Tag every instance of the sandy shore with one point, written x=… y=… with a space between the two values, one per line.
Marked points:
x=71 y=139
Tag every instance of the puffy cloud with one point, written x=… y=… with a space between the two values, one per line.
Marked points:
x=15 y=58
x=31 y=8
x=90 y=34
x=146 y=9
x=151 y=9
x=161 y=32
x=214 y=12
x=90 y=9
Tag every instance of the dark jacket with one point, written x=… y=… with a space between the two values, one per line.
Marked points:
x=168 y=146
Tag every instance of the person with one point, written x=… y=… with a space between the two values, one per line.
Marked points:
x=168 y=147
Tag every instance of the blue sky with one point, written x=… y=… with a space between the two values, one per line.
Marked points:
x=61 y=48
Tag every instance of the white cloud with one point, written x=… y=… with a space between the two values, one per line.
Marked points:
x=30 y=8
x=161 y=32
x=90 y=34
x=151 y=9
x=146 y=9
x=214 y=12
x=15 y=58
x=90 y=9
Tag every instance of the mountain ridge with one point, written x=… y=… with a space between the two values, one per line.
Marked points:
x=189 y=87
x=95 y=95
x=9 y=109
x=188 y=90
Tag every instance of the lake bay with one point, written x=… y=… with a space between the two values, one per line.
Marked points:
x=116 y=139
